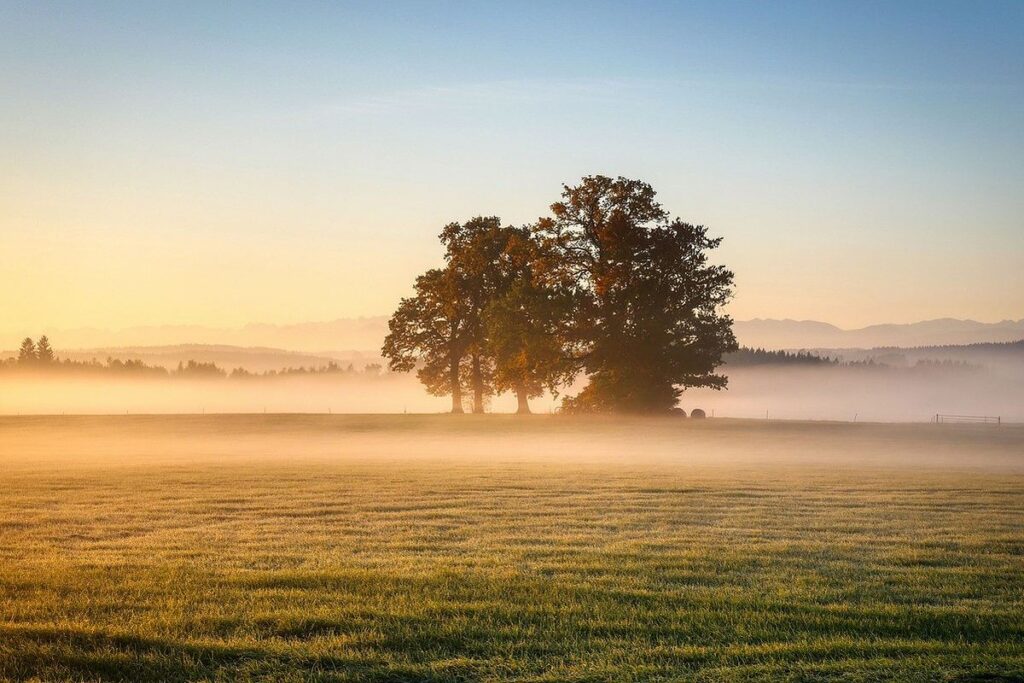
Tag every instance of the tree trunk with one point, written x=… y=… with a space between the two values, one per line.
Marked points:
x=478 y=386
x=456 y=387
x=524 y=402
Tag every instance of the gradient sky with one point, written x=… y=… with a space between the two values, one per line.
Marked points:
x=223 y=163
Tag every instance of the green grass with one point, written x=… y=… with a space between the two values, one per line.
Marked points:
x=438 y=548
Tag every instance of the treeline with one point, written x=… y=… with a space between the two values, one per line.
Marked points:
x=925 y=365
x=39 y=358
x=607 y=285
x=1002 y=347
x=332 y=368
x=745 y=356
x=749 y=357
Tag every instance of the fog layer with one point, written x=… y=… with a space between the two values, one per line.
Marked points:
x=819 y=393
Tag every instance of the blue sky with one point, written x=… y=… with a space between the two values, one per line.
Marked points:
x=294 y=161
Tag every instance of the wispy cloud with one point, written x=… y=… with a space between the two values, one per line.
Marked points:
x=491 y=93
x=532 y=91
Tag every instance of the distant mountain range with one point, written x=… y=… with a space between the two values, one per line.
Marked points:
x=343 y=334
x=343 y=337
x=810 y=334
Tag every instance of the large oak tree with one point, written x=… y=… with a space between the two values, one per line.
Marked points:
x=648 y=298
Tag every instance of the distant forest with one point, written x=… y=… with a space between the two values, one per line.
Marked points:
x=745 y=356
x=998 y=347
x=39 y=357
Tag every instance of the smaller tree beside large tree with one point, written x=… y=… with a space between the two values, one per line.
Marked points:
x=428 y=333
x=470 y=250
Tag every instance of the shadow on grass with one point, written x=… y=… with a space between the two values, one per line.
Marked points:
x=73 y=654
x=68 y=654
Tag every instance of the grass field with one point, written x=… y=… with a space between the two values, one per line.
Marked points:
x=411 y=548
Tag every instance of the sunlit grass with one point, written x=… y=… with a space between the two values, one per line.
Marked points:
x=494 y=567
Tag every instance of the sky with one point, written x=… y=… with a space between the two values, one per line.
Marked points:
x=226 y=163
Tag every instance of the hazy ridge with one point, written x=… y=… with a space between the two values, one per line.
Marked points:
x=807 y=334
x=364 y=334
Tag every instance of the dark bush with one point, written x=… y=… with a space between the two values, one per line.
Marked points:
x=697 y=414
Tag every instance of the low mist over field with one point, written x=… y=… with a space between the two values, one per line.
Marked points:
x=983 y=377
x=83 y=395
x=867 y=394
x=120 y=442
x=782 y=393
x=889 y=384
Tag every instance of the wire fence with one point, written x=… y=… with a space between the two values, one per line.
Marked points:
x=968 y=419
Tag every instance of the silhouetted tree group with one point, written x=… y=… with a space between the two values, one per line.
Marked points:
x=36 y=353
x=609 y=285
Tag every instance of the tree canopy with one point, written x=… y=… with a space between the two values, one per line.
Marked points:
x=649 y=298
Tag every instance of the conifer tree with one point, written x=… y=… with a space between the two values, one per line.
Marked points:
x=44 y=353
x=27 y=352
